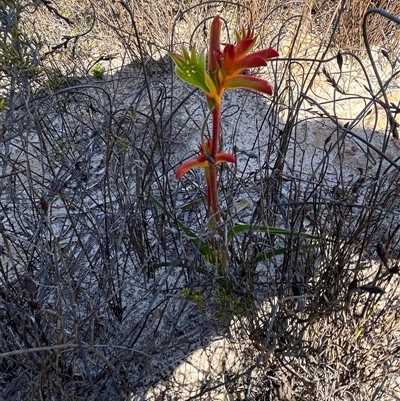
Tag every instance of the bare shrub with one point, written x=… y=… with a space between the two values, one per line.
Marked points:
x=103 y=293
x=349 y=35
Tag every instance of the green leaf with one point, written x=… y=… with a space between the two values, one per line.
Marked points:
x=280 y=251
x=191 y=68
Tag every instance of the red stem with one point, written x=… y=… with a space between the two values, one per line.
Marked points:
x=212 y=182
x=216 y=121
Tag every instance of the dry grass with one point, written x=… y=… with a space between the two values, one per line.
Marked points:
x=103 y=294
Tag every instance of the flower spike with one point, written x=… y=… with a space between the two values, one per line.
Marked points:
x=224 y=67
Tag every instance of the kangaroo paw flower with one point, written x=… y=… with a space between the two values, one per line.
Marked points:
x=224 y=66
x=204 y=160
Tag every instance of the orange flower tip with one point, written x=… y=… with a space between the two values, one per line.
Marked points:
x=217 y=19
x=179 y=174
x=201 y=161
x=271 y=53
x=181 y=171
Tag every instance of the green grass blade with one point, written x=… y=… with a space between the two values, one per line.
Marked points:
x=201 y=245
x=280 y=251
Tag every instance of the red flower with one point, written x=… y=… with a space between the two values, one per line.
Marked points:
x=225 y=66
x=203 y=160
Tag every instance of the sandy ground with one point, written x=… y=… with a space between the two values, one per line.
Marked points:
x=244 y=129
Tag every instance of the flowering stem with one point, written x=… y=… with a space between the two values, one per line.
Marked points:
x=216 y=121
x=213 y=192
x=213 y=195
